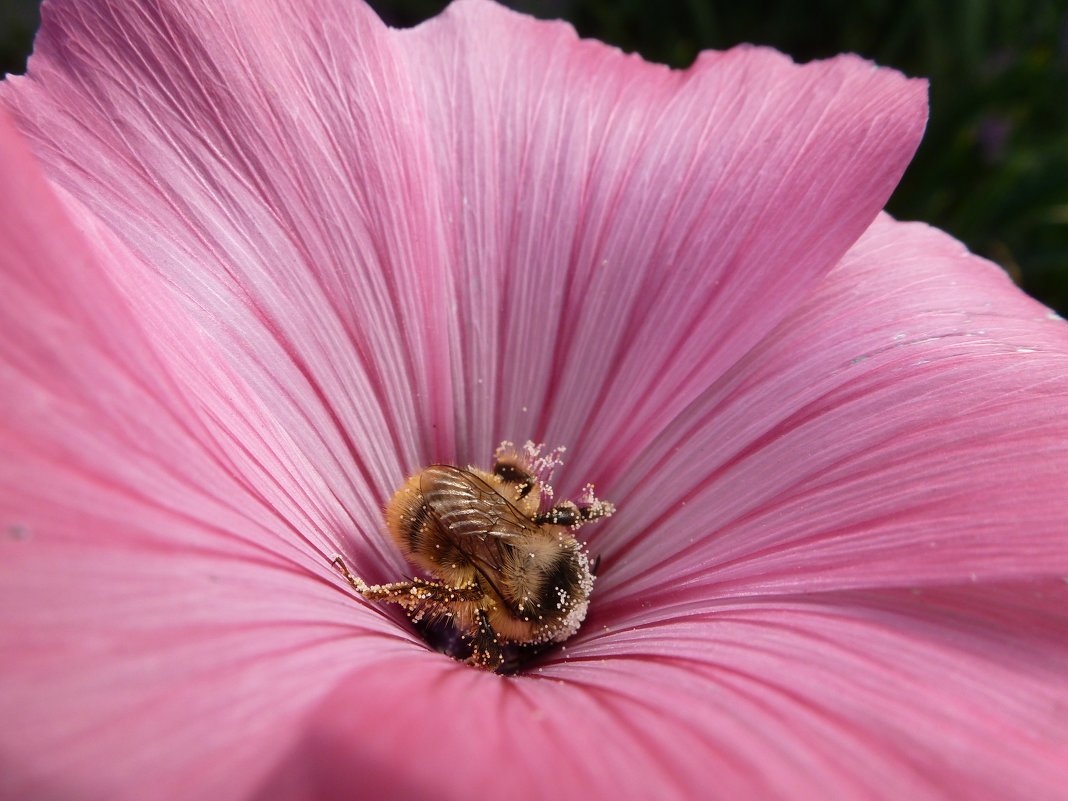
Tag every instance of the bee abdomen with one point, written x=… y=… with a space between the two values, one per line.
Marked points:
x=552 y=594
x=407 y=517
x=417 y=531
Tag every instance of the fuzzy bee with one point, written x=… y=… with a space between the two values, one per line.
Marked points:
x=507 y=567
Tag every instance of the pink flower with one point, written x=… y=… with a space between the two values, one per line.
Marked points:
x=281 y=257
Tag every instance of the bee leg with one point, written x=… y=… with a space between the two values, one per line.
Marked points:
x=487 y=651
x=571 y=514
x=422 y=596
x=417 y=596
x=358 y=583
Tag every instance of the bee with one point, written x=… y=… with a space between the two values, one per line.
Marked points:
x=507 y=568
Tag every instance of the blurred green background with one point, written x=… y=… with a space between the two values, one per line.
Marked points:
x=993 y=167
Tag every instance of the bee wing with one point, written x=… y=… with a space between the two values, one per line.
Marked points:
x=469 y=510
x=477 y=520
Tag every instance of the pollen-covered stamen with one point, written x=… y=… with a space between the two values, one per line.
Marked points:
x=533 y=460
x=543 y=463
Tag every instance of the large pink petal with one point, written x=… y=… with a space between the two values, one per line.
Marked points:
x=463 y=232
x=906 y=426
x=624 y=232
x=253 y=158
x=164 y=616
x=947 y=695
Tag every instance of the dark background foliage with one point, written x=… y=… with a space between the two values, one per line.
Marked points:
x=993 y=167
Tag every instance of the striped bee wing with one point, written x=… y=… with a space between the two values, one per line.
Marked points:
x=471 y=512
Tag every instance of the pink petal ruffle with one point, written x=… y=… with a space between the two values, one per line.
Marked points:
x=905 y=426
